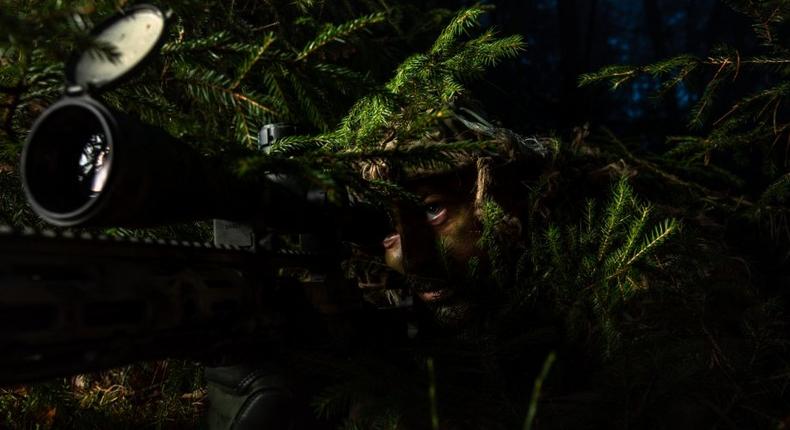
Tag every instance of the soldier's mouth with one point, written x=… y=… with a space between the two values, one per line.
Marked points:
x=434 y=296
x=429 y=289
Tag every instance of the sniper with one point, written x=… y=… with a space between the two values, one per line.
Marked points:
x=505 y=279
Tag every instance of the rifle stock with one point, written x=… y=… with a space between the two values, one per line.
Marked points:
x=75 y=304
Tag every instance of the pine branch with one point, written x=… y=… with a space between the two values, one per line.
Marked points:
x=634 y=232
x=248 y=64
x=659 y=235
x=460 y=25
x=216 y=40
x=337 y=32
x=778 y=193
x=211 y=87
x=615 y=215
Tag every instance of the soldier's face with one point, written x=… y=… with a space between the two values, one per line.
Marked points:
x=433 y=242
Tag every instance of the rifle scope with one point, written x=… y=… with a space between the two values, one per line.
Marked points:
x=87 y=165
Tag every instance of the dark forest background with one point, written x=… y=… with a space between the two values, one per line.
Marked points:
x=568 y=38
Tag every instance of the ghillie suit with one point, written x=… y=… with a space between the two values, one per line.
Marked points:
x=647 y=332
x=494 y=155
x=497 y=147
x=651 y=326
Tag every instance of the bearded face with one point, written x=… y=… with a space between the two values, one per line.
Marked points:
x=435 y=241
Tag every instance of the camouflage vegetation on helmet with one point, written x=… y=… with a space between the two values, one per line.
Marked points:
x=490 y=147
x=457 y=126
x=413 y=125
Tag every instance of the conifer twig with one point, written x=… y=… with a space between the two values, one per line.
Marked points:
x=537 y=389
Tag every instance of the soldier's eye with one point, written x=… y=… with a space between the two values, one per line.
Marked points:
x=435 y=213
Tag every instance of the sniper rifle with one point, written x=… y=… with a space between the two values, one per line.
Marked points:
x=72 y=302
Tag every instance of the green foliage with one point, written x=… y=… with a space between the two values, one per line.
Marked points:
x=220 y=76
x=493 y=240
x=767 y=17
x=589 y=271
x=226 y=70
x=605 y=252
x=425 y=84
x=727 y=179
x=333 y=33
x=391 y=124
x=728 y=141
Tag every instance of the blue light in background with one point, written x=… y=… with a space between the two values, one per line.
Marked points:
x=684 y=97
x=620 y=35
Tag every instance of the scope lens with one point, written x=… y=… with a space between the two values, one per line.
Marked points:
x=94 y=164
x=68 y=159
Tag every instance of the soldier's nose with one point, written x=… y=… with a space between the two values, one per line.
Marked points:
x=393 y=254
x=391 y=241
